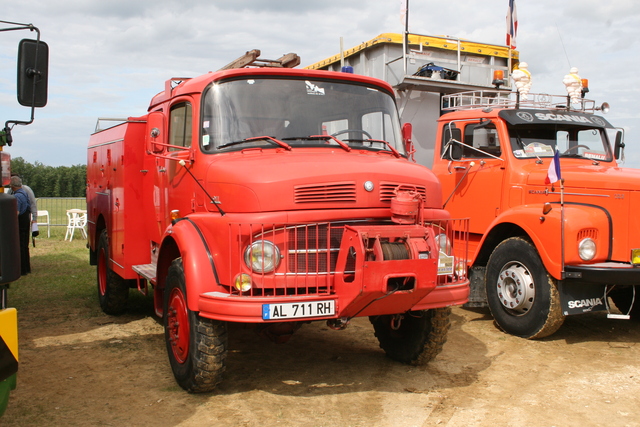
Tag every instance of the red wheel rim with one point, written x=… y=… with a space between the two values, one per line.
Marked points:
x=102 y=272
x=178 y=325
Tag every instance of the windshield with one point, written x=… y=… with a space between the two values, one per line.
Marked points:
x=298 y=112
x=571 y=141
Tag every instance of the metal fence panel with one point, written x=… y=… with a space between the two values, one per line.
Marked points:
x=58 y=207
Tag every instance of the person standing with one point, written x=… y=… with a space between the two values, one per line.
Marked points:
x=24 y=222
x=32 y=199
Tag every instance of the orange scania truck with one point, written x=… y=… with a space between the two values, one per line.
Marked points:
x=552 y=230
x=272 y=196
x=539 y=249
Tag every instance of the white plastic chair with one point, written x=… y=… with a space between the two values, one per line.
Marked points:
x=77 y=219
x=47 y=222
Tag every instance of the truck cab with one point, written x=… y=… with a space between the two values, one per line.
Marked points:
x=551 y=232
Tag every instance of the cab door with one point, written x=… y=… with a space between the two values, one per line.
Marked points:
x=472 y=178
x=180 y=186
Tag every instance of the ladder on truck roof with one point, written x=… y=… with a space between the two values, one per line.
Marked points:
x=251 y=59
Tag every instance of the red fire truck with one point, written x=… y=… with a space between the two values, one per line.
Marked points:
x=272 y=196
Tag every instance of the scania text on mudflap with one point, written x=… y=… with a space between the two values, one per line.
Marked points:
x=539 y=249
x=272 y=196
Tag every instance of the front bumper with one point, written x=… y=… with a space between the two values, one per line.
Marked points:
x=606 y=273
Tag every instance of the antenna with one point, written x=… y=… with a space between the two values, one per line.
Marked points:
x=562 y=43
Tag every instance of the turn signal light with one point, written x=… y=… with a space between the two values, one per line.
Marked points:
x=635 y=256
x=243 y=282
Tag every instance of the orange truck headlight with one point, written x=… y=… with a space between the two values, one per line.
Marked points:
x=587 y=249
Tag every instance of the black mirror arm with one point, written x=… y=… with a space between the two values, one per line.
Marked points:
x=5 y=134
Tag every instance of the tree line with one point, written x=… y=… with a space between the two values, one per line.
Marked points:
x=49 y=181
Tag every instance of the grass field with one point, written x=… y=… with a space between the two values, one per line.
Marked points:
x=61 y=278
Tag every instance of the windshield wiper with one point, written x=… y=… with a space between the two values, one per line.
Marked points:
x=332 y=138
x=257 y=138
x=395 y=152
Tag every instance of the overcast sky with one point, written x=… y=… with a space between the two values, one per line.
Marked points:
x=108 y=58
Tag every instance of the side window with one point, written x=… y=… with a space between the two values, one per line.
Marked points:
x=180 y=125
x=484 y=141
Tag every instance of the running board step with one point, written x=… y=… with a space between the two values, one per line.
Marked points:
x=148 y=271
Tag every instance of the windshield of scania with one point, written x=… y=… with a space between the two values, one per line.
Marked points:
x=573 y=135
x=286 y=112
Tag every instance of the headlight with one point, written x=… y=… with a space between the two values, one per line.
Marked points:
x=444 y=244
x=587 y=249
x=262 y=256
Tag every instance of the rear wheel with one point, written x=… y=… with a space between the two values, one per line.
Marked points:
x=113 y=290
x=414 y=337
x=197 y=346
x=522 y=296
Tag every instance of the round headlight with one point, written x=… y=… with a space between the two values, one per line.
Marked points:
x=262 y=256
x=587 y=249
x=444 y=244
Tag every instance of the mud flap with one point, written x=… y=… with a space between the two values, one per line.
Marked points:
x=578 y=298
x=478 y=290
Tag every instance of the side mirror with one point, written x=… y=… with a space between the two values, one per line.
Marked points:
x=33 y=73
x=155 y=132
x=619 y=144
x=407 y=132
x=453 y=149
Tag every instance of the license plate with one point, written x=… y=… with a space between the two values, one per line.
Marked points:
x=445 y=264
x=298 y=310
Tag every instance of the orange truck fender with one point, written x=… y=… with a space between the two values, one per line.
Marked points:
x=544 y=232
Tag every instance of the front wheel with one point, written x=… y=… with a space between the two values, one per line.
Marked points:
x=113 y=290
x=522 y=296
x=197 y=346
x=414 y=337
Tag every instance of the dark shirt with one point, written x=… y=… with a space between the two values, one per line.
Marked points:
x=23 y=201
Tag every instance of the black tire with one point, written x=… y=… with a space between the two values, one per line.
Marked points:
x=417 y=339
x=197 y=346
x=113 y=290
x=522 y=296
x=623 y=297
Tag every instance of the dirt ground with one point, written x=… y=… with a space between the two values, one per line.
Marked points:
x=79 y=370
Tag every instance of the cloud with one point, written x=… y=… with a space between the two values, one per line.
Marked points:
x=110 y=58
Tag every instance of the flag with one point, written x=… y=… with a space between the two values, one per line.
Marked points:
x=553 y=174
x=512 y=24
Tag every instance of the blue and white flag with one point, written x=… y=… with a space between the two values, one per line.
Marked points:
x=554 y=175
x=512 y=24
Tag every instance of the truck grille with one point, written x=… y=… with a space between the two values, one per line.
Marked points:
x=329 y=192
x=388 y=190
x=308 y=257
x=313 y=248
